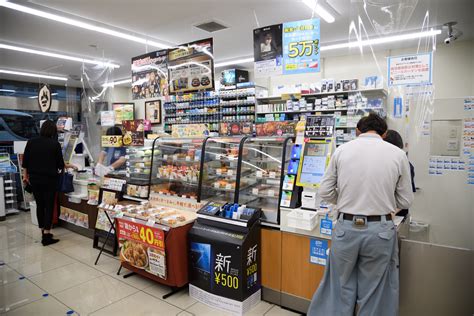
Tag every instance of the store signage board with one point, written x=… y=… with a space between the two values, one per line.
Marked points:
x=318 y=252
x=275 y=128
x=267 y=51
x=142 y=246
x=407 y=70
x=133 y=133
x=238 y=128
x=44 y=98
x=189 y=130
x=107 y=118
x=153 y=111
x=301 y=41
x=191 y=67
x=150 y=75
x=123 y=111
x=111 y=141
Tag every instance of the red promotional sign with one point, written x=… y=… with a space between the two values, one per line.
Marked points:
x=142 y=246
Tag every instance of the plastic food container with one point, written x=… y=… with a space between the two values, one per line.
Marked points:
x=306 y=220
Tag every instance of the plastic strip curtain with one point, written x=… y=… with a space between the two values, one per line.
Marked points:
x=380 y=18
x=96 y=97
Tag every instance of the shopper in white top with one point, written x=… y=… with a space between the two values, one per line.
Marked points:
x=368 y=179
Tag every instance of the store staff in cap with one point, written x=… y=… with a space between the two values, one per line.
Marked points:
x=368 y=179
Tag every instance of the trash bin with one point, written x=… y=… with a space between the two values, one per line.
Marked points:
x=34 y=219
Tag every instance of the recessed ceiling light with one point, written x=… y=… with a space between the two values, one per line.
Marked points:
x=83 y=25
x=29 y=74
x=319 y=10
x=60 y=56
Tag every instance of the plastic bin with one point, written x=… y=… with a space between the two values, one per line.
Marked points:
x=306 y=220
x=34 y=219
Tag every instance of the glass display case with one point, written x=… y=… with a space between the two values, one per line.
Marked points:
x=139 y=170
x=176 y=167
x=264 y=160
x=220 y=169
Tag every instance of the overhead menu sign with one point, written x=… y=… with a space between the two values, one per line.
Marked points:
x=410 y=69
x=191 y=67
x=301 y=46
x=150 y=75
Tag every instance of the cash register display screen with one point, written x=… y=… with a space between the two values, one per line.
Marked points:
x=314 y=164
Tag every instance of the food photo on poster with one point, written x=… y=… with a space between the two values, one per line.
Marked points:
x=133 y=133
x=150 y=75
x=153 y=111
x=191 y=67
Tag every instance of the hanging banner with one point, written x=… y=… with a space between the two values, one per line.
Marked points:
x=150 y=75
x=133 y=133
x=191 y=67
x=301 y=46
x=267 y=51
x=410 y=70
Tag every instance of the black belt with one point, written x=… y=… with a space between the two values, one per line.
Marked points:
x=370 y=218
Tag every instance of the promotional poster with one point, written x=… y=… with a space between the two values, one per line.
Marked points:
x=301 y=46
x=267 y=51
x=123 y=112
x=153 y=111
x=133 y=133
x=150 y=75
x=191 y=67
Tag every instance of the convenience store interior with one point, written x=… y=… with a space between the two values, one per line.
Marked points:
x=85 y=53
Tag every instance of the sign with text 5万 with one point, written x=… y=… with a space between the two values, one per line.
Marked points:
x=301 y=47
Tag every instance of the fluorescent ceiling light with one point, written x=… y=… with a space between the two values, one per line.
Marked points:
x=233 y=62
x=382 y=40
x=54 y=94
x=60 y=56
x=33 y=97
x=7 y=90
x=83 y=25
x=111 y=84
x=29 y=74
x=319 y=10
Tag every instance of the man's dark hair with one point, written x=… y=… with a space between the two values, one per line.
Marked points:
x=394 y=138
x=372 y=122
x=114 y=131
x=49 y=130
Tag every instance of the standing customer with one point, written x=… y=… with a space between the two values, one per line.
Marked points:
x=367 y=179
x=42 y=161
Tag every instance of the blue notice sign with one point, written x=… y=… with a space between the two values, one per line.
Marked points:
x=301 y=46
x=326 y=227
x=318 y=252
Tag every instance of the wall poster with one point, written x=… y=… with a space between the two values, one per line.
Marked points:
x=191 y=67
x=150 y=75
x=410 y=69
x=267 y=51
x=123 y=112
x=133 y=133
x=153 y=111
x=301 y=46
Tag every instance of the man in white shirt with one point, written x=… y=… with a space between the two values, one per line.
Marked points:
x=368 y=179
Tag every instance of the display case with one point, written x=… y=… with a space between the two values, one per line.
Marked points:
x=220 y=181
x=139 y=170
x=176 y=169
x=264 y=160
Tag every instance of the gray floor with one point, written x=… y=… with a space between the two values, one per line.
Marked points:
x=62 y=278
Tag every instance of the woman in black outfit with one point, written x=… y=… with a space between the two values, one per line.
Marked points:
x=394 y=138
x=42 y=161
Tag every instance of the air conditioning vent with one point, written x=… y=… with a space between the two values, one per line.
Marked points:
x=211 y=26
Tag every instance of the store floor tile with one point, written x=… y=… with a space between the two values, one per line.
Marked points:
x=25 y=252
x=180 y=299
x=200 y=309
x=65 y=277
x=136 y=280
x=139 y=304
x=46 y=306
x=16 y=239
x=95 y=294
x=278 y=311
x=8 y=275
x=39 y=264
x=16 y=294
